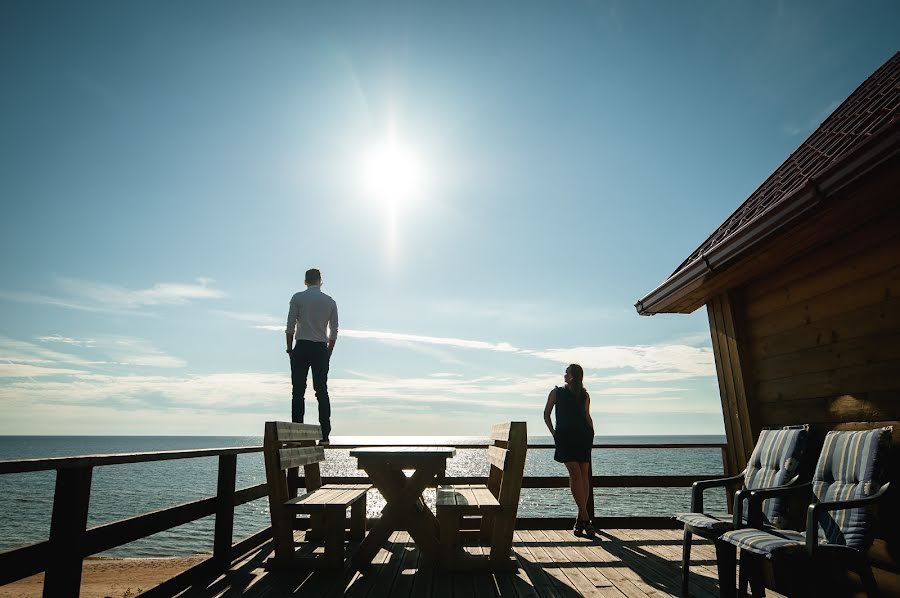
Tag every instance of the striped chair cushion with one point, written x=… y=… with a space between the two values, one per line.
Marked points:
x=850 y=466
x=713 y=523
x=770 y=543
x=774 y=462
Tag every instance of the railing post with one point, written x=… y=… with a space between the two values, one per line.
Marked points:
x=67 y=526
x=729 y=492
x=590 y=496
x=224 y=532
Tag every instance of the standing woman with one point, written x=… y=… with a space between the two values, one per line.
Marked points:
x=573 y=437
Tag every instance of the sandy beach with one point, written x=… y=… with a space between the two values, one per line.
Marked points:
x=113 y=578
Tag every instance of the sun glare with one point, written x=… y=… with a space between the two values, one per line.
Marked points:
x=392 y=173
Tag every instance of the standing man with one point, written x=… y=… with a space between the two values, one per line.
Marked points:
x=313 y=321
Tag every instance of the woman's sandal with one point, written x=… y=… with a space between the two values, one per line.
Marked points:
x=589 y=528
x=578 y=530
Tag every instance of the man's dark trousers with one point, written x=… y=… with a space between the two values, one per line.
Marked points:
x=306 y=355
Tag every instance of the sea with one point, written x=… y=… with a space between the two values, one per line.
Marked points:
x=122 y=491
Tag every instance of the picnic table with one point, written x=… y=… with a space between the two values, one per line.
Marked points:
x=405 y=508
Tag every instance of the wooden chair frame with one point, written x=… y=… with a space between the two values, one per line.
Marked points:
x=793 y=578
x=497 y=521
x=288 y=446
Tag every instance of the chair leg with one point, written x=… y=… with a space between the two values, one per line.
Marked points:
x=334 y=537
x=502 y=537
x=794 y=577
x=755 y=575
x=358 y=519
x=449 y=526
x=868 y=579
x=316 y=531
x=725 y=563
x=743 y=575
x=685 y=561
x=750 y=575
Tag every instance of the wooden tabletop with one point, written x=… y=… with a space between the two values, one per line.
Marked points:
x=406 y=452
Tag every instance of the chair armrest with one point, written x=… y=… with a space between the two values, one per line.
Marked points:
x=737 y=511
x=814 y=510
x=757 y=496
x=697 y=489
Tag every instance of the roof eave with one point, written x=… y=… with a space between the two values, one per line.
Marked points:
x=668 y=296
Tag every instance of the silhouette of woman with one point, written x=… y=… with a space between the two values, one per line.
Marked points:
x=573 y=437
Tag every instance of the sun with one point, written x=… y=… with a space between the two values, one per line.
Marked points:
x=392 y=173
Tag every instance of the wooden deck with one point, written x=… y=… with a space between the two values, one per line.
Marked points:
x=633 y=563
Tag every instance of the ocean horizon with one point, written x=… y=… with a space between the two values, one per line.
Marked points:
x=121 y=491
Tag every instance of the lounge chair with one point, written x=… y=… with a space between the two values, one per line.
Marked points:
x=848 y=481
x=773 y=463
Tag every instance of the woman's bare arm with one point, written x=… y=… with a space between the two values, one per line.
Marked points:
x=551 y=401
x=587 y=409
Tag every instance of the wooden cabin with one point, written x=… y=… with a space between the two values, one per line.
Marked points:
x=802 y=288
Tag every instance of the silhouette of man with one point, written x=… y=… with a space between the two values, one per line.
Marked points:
x=313 y=321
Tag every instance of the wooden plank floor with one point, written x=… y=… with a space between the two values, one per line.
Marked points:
x=632 y=563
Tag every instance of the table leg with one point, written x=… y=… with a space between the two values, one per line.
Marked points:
x=409 y=510
x=404 y=505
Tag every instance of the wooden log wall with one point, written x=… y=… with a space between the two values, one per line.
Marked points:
x=819 y=343
x=822 y=334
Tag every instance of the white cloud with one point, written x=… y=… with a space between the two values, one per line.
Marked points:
x=39 y=299
x=102 y=297
x=138 y=352
x=110 y=351
x=12 y=350
x=647 y=377
x=525 y=315
x=53 y=418
x=635 y=391
x=187 y=403
x=164 y=293
x=652 y=363
x=431 y=340
x=56 y=338
x=24 y=370
x=237 y=390
x=256 y=318
x=214 y=390
x=682 y=359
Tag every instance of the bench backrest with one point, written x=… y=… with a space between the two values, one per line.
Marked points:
x=509 y=445
x=287 y=446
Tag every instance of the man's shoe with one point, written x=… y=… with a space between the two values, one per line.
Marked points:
x=324 y=442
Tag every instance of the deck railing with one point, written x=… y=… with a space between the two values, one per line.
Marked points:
x=61 y=556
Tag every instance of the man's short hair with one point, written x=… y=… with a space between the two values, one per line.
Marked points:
x=313 y=276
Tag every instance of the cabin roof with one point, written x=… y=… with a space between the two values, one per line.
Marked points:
x=871 y=112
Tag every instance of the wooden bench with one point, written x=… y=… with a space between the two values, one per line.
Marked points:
x=496 y=503
x=287 y=447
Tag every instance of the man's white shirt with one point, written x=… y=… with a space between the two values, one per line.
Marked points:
x=312 y=316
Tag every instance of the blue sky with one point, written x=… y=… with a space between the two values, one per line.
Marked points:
x=169 y=170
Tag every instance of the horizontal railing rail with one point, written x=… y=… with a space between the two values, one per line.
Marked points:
x=60 y=557
x=56 y=463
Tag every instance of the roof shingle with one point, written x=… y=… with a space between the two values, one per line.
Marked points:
x=874 y=106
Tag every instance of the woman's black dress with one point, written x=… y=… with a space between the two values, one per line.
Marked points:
x=574 y=435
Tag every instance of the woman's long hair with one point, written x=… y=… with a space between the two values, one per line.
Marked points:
x=576 y=386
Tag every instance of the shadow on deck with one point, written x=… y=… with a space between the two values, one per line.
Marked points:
x=617 y=563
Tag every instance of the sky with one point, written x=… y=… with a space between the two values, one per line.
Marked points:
x=487 y=189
